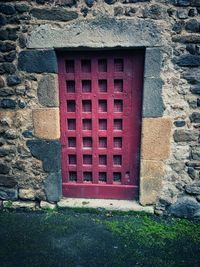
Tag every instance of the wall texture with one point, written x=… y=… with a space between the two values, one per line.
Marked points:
x=30 y=35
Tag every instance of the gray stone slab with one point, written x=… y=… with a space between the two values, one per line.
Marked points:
x=53 y=186
x=38 y=61
x=153 y=58
x=8 y=193
x=153 y=106
x=100 y=32
x=48 y=91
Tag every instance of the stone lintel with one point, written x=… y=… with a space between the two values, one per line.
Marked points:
x=100 y=32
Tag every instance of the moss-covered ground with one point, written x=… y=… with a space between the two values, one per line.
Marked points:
x=85 y=238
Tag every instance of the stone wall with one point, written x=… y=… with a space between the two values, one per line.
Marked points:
x=30 y=35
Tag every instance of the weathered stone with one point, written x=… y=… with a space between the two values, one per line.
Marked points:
x=193 y=12
x=6 y=151
x=182 y=3
x=48 y=128
x=48 y=91
x=6 y=91
x=21 y=8
x=52 y=186
x=152 y=173
x=156 y=139
x=195 y=117
x=84 y=11
x=185 y=207
x=118 y=11
x=192 y=25
x=47 y=205
x=191 y=48
x=26 y=194
x=48 y=152
x=193 y=173
x=196 y=153
x=110 y=2
x=153 y=61
x=2 y=20
x=198 y=102
x=185 y=135
x=6 y=47
x=8 y=103
x=130 y=11
x=20 y=204
x=195 y=90
x=182 y=14
x=7 y=9
x=179 y=123
x=67 y=3
x=8 y=193
x=7 y=181
x=190 y=38
x=10 y=56
x=178 y=26
x=4 y=168
x=193 y=189
x=154 y=12
x=100 y=32
x=27 y=134
x=13 y=80
x=10 y=134
x=54 y=14
x=89 y=2
x=188 y=61
x=9 y=68
x=195 y=2
x=152 y=98
x=38 y=61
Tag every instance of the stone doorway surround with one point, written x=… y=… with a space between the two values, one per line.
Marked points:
x=101 y=33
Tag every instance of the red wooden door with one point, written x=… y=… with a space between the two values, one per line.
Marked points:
x=100 y=108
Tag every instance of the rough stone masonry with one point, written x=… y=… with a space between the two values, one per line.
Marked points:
x=30 y=35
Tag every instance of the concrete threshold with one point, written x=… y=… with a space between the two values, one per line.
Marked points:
x=108 y=204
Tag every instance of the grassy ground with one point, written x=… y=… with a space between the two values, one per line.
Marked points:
x=84 y=238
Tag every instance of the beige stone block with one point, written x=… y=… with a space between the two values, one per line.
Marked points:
x=151 y=176
x=156 y=135
x=19 y=204
x=46 y=123
x=26 y=194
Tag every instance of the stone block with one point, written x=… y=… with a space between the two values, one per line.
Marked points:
x=188 y=61
x=185 y=207
x=195 y=117
x=48 y=152
x=193 y=189
x=46 y=123
x=151 y=176
x=153 y=106
x=38 y=61
x=103 y=31
x=47 y=205
x=156 y=134
x=8 y=193
x=185 y=135
x=152 y=62
x=53 y=186
x=196 y=153
x=59 y=14
x=4 y=168
x=48 y=92
x=7 y=181
x=20 y=204
x=26 y=194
